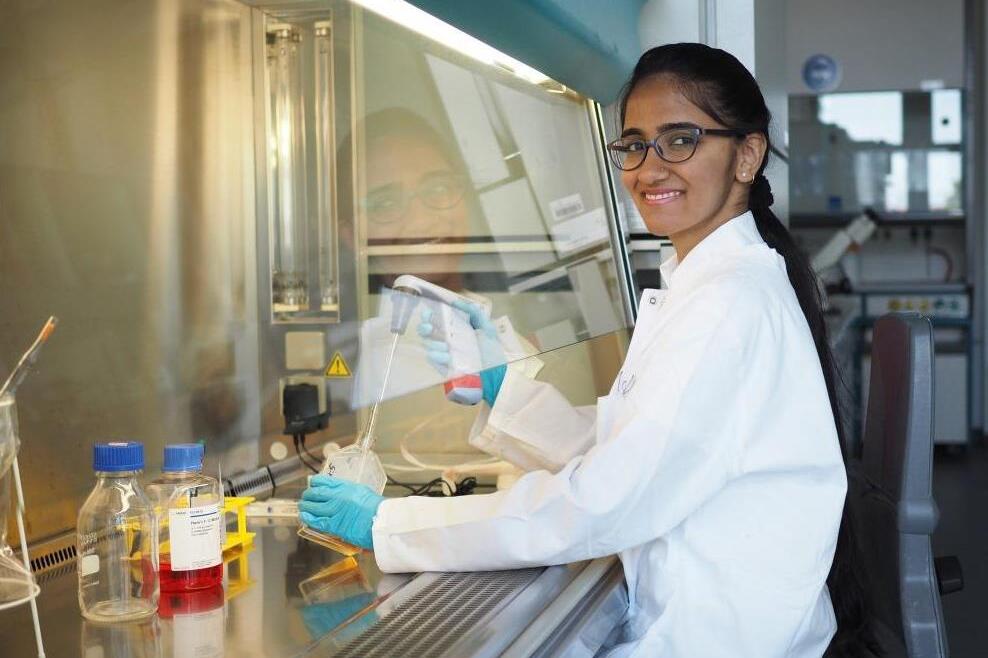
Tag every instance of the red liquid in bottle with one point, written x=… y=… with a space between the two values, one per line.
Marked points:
x=187 y=581
x=190 y=603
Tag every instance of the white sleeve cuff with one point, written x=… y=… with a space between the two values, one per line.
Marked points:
x=533 y=426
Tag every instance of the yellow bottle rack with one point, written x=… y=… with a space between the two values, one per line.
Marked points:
x=239 y=537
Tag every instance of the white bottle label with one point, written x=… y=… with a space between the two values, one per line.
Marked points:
x=196 y=537
x=89 y=564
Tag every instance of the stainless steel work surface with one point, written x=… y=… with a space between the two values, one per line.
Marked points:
x=286 y=596
x=280 y=597
x=479 y=614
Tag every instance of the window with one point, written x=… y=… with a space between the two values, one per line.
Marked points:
x=896 y=152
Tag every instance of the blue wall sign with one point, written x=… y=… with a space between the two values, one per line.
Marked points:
x=821 y=73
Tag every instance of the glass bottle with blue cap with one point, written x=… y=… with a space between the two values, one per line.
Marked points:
x=188 y=506
x=117 y=555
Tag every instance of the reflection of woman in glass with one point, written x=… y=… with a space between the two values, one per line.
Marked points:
x=414 y=193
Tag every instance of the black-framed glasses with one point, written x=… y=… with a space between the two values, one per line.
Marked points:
x=676 y=144
x=388 y=203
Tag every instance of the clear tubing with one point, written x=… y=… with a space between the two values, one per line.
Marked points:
x=325 y=168
x=287 y=170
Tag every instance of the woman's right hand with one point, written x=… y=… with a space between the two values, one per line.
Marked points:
x=491 y=353
x=436 y=351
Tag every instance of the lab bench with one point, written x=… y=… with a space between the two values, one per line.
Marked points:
x=947 y=306
x=285 y=596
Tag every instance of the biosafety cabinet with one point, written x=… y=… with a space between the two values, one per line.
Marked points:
x=388 y=144
x=215 y=198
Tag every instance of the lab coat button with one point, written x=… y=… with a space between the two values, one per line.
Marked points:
x=651 y=300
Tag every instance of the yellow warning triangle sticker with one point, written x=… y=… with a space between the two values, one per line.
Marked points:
x=338 y=367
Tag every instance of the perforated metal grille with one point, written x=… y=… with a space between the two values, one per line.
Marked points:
x=53 y=559
x=429 y=623
x=52 y=556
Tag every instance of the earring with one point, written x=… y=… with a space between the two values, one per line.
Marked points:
x=744 y=175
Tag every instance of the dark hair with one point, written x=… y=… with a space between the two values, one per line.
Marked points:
x=720 y=85
x=392 y=122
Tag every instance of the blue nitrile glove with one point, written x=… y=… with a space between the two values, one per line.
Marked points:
x=340 y=508
x=491 y=354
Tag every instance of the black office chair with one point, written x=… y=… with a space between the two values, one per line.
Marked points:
x=894 y=496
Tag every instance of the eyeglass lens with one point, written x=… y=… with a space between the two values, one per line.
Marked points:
x=676 y=145
x=388 y=203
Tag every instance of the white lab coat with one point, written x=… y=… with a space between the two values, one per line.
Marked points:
x=714 y=471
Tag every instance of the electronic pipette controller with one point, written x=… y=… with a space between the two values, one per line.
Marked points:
x=450 y=324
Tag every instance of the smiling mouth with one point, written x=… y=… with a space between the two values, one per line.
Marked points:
x=658 y=198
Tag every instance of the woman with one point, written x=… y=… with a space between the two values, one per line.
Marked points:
x=716 y=470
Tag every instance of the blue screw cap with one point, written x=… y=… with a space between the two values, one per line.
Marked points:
x=183 y=457
x=119 y=456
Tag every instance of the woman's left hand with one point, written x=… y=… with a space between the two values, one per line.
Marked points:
x=340 y=508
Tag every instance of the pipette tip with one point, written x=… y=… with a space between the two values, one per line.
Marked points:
x=49 y=327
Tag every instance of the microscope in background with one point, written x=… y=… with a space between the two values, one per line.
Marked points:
x=828 y=257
